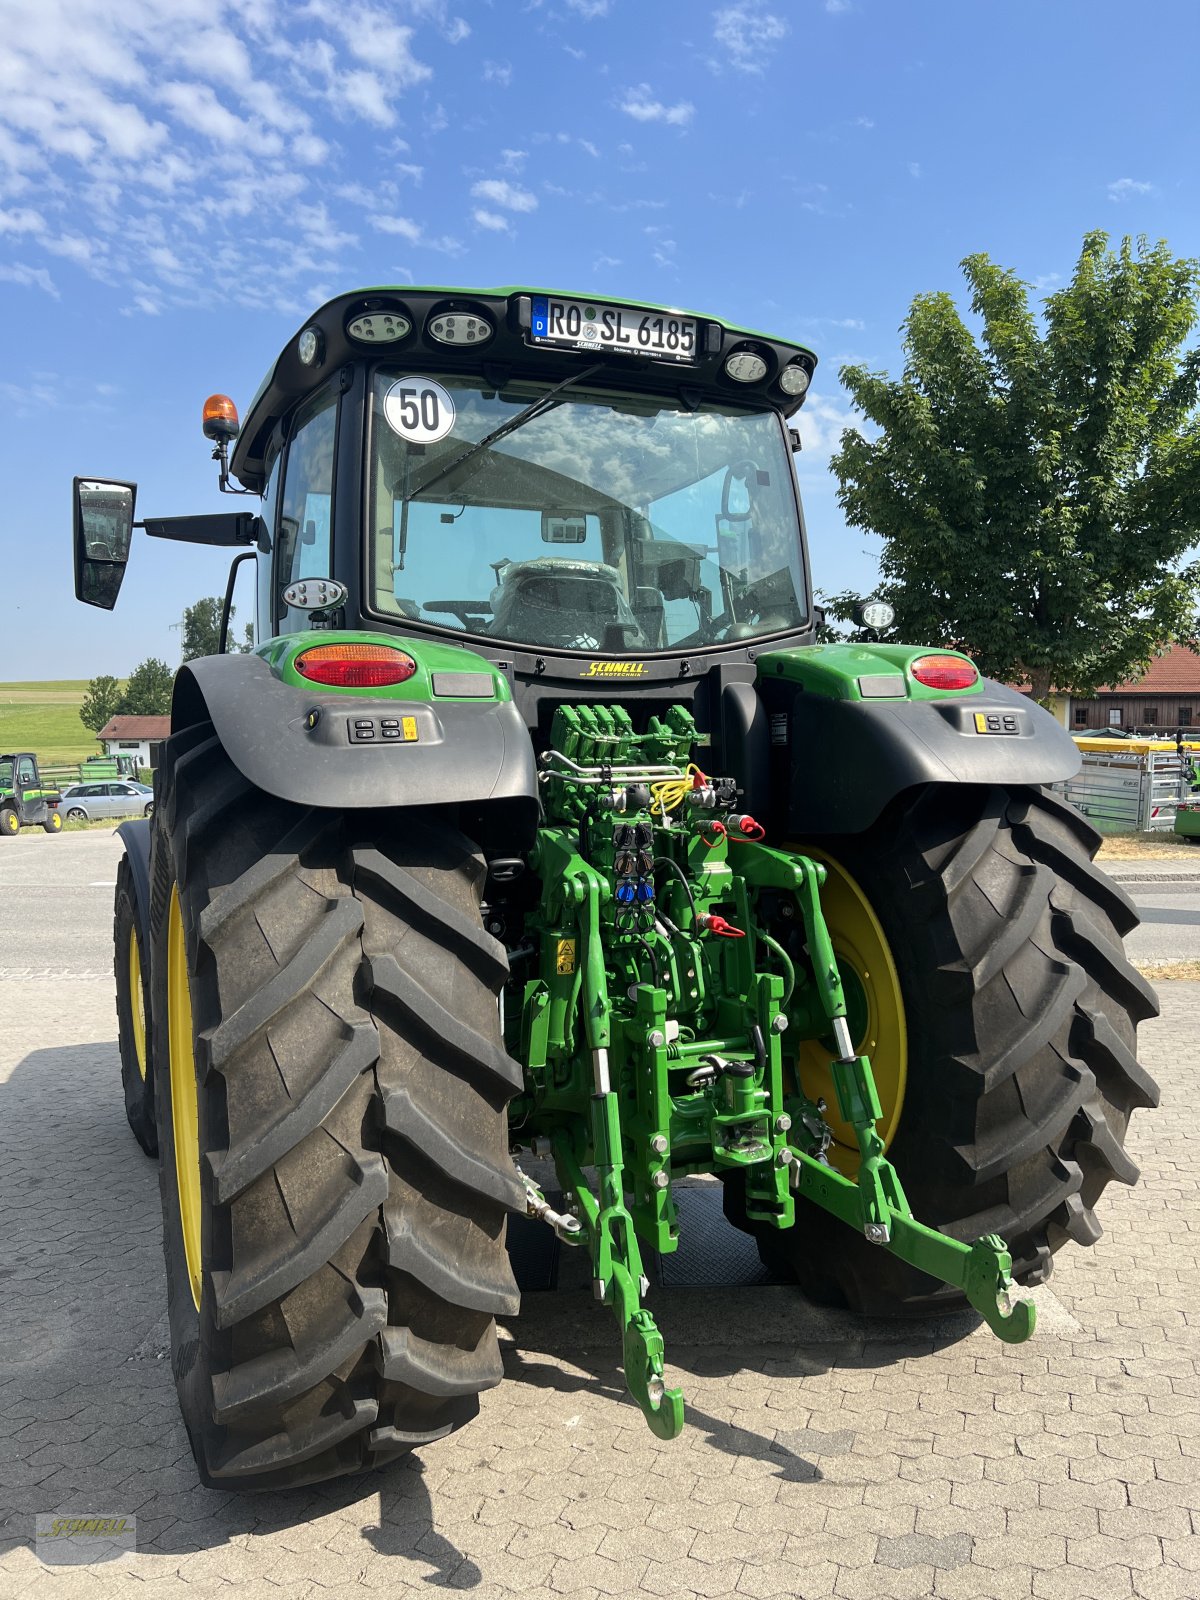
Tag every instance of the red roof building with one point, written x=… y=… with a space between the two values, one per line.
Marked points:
x=1166 y=697
x=150 y=728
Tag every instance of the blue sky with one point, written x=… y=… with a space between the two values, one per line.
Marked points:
x=181 y=181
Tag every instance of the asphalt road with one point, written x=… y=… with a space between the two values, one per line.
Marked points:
x=57 y=897
x=824 y=1456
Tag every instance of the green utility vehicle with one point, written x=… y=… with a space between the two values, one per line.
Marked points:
x=25 y=801
x=538 y=816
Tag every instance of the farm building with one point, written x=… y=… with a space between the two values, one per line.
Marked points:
x=1167 y=697
x=136 y=736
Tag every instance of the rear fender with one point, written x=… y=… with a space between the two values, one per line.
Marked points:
x=303 y=743
x=135 y=836
x=851 y=729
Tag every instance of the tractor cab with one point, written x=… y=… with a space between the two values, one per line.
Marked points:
x=577 y=490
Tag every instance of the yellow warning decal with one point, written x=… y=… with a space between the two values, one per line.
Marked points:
x=408 y=726
x=564 y=957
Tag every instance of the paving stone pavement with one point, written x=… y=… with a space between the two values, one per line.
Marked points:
x=824 y=1457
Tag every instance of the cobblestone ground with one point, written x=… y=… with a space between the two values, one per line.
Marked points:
x=822 y=1457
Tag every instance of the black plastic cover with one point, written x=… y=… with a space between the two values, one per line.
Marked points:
x=836 y=764
x=299 y=744
x=135 y=836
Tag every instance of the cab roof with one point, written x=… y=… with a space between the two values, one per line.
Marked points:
x=508 y=352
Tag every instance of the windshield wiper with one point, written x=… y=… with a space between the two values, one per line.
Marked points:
x=535 y=409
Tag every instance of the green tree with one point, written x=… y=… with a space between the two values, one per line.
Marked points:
x=148 y=691
x=202 y=628
x=100 y=702
x=1038 y=486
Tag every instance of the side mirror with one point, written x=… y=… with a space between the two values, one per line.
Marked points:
x=563 y=530
x=102 y=527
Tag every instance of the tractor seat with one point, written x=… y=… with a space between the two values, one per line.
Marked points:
x=564 y=604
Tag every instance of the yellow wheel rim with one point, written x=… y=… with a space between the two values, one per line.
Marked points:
x=185 y=1118
x=8 y=822
x=876 y=1009
x=137 y=1003
x=55 y=822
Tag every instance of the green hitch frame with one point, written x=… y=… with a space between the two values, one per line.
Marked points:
x=576 y=1045
x=875 y=1202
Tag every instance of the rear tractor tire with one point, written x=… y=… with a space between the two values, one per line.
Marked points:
x=1001 y=1014
x=331 y=1096
x=132 y=972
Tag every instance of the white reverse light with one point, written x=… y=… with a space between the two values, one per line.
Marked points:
x=459 y=327
x=378 y=327
x=793 y=379
x=744 y=366
x=309 y=346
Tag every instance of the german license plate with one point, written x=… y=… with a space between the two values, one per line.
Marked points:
x=612 y=330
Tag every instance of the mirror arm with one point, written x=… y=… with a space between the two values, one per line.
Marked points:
x=227 y=606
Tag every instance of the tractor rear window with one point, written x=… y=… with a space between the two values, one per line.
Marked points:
x=599 y=522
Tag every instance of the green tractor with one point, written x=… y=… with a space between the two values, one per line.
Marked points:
x=539 y=819
x=25 y=801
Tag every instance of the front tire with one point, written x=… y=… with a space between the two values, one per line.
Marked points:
x=325 y=1014
x=10 y=823
x=1021 y=1017
x=53 y=822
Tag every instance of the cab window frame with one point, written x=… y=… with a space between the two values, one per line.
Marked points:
x=327 y=397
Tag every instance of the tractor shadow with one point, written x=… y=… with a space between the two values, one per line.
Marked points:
x=88 y=1404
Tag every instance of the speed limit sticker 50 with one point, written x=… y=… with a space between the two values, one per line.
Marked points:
x=419 y=410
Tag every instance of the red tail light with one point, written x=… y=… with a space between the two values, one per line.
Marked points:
x=945 y=672
x=355 y=666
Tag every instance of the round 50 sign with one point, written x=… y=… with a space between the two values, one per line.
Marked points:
x=419 y=410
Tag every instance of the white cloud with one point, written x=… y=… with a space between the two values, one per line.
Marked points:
x=821 y=423
x=513 y=160
x=914 y=169
x=135 y=137
x=838 y=8
x=510 y=196
x=490 y=219
x=589 y=10
x=404 y=226
x=747 y=33
x=23 y=220
x=1126 y=188
x=498 y=72
x=640 y=104
x=29 y=277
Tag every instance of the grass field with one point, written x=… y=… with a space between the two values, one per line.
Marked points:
x=44 y=718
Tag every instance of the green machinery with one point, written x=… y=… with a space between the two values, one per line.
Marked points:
x=538 y=819
x=653 y=1024
x=25 y=800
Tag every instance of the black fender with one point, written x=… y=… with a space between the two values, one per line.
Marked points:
x=135 y=836
x=299 y=744
x=836 y=764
